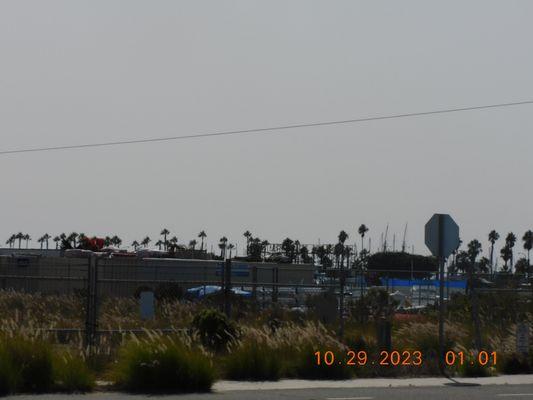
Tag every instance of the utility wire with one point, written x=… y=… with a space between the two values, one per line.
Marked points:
x=266 y=130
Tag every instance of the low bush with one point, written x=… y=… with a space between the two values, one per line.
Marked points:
x=162 y=365
x=515 y=364
x=424 y=337
x=72 y=374
x=253 y=361
x=472 y=369
x=215 y=330
x=8 y=378
x=30 y=365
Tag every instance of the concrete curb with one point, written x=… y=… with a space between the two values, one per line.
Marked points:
x=288 y=384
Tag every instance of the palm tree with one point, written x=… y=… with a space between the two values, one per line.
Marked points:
x=202 y=235
x=146 y=241
x=528 y=243
x=248 y=236
x=116 y=241
x=338 y=250
x=288 y=248
x=19 y=236
x=231 y=246
x=27 y=238
x=493 y=237
x=135 y=244
x=343 y=236
x=506 y=254
x=72 y=238
x=522 y=266
x=264 y=246
x=304 y=255
x=510 y=241
x=222 y=246
x=297 y=245
x=82 y=238
x=159 y=243
x=474 y=249
x=41 y=241
x=46 y=237
x=164 y=233
x=57 y=239
x=192 y=244
x=362 y=231
x=172 y=247
x=11 y=241
x=483 y=265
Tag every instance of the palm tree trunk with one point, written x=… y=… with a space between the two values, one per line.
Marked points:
x=491 y=259
x=474 y=308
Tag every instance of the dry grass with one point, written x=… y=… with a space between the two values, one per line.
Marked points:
x=295 y=337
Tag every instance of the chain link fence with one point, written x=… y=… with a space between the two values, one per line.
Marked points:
x=108 y=291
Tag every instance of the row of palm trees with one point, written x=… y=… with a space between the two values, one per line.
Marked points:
x=169 y=244
x=465 y=260
x=20 y=237
x=61 y=241
x=295 y=251
x=506 y=252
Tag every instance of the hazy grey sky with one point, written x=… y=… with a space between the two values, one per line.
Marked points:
x=90 y=71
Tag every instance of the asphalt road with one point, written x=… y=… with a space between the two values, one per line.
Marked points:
x=454 y=392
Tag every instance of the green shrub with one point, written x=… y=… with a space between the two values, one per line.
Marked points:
x=516 y=364
x=215 y=330
x=423 y=337
x=8 y=379
x=73 y=375
x=253 y=361
x=472 y=369
x=164 y=366
x=31 y=364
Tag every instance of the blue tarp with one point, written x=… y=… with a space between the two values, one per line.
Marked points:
x=422 y=282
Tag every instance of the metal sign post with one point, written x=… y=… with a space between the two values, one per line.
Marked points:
x=227 y=287
x=522 y=338
x=441 y=238
x=91 y=313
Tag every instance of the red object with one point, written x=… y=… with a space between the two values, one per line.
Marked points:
x=93 y=244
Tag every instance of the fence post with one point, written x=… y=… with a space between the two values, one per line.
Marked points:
x=254 y=283
x=275 y=281
x=341 y=302
x=227 y=288
x=91 y=314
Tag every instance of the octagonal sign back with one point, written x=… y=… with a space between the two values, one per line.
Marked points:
x=442 y=235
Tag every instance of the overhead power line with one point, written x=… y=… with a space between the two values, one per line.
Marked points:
x=265 y=130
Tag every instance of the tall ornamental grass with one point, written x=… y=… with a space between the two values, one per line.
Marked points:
x=163 y=365
x=253 y=360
